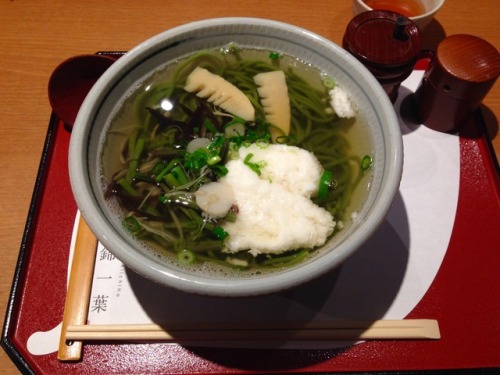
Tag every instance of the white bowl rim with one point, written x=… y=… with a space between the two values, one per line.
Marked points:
x=220 y=287
x=420 y=17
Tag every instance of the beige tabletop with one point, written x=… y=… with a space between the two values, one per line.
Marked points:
x=36 y=35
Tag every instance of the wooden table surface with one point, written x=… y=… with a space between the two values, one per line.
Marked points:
x=36 y=35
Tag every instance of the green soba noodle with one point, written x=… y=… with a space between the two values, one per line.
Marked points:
x=180 y=226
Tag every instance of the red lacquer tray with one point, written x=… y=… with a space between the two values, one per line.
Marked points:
x=464 y=296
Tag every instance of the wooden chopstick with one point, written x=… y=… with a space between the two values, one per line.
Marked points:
x=79 y=288
x=312 y=331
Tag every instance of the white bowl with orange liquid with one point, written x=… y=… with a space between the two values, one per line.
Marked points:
x=421 y=12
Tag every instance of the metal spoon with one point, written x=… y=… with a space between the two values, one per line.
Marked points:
x=71 y=81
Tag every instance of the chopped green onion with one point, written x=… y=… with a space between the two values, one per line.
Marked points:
x=171 y=180
x=366 y=162
x=262 y=144
x=253 y=166
x=196 y=160
x=217 y=143
x=160 y=176
x=186 y=257
x=274 y=55
x=213 y=159
x=328 y=82
x=220 y=170
x=246 y=143
x=180 y=175
x=220 y=233
x=325 y=182
x=132 y=224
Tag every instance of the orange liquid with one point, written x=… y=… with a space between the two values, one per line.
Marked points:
x=408 y=8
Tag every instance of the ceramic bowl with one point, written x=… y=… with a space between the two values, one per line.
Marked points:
x=377 y=123
x=422 y=20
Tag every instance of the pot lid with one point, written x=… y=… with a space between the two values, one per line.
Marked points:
x=383 y=38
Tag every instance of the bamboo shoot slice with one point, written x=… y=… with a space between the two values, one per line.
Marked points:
x=273 y=93
x=220 y=92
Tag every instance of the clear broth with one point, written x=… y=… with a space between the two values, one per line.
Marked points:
x=119 y=129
